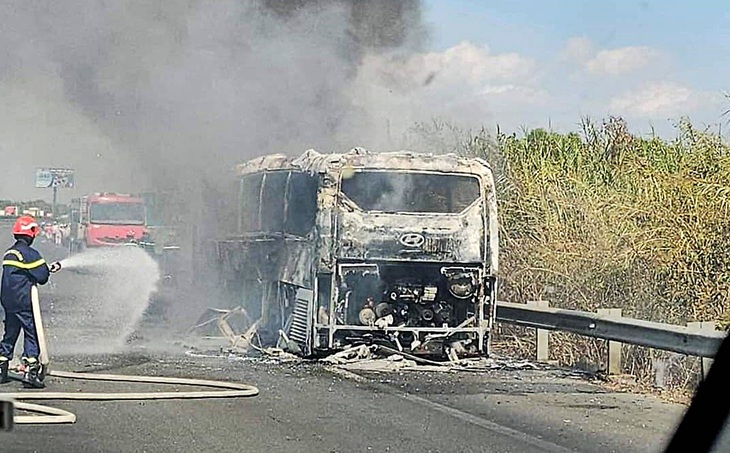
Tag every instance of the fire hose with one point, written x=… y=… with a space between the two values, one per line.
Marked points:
x=51 y=415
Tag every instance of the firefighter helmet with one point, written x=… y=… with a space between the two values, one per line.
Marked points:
x=26 y=226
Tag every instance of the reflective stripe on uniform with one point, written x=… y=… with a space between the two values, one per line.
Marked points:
x=29 y=226
x=16 y=253
x=32 y=265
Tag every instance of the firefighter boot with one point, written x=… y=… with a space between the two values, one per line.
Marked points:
x=33 y=376
x=4 y=365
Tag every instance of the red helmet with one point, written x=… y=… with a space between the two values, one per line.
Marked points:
x=26 y=226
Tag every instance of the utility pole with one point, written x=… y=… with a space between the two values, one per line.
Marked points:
x=55 y=201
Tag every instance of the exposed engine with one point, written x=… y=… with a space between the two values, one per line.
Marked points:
x=406 y=295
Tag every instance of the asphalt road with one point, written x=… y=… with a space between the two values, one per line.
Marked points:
x=309 y=407
x=312 y=407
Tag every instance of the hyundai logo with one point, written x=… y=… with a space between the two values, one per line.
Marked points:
x=413 y=240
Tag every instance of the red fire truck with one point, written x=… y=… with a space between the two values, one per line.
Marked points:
x=106 y=219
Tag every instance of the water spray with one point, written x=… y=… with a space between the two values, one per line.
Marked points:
x=108 y=291
x=51 y=415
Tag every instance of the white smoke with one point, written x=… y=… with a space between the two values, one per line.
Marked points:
x=465 y=84
x=138 y=94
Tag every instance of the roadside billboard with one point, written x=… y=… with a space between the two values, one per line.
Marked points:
x=54 y=177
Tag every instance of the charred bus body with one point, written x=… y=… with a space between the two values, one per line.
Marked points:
x=339 y=249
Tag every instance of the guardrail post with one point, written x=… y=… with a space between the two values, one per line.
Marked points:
x=614 y=347
x=543 y=336
x=6 y=414
x=703 y=326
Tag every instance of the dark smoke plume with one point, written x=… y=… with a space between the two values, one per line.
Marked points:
x=139 y=95
x=150 y=95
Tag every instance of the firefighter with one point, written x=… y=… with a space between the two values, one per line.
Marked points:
x=23 y=267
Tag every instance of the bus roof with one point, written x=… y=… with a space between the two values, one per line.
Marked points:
x=313 y=161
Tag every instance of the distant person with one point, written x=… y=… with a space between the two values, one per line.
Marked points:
x=57 y=234
x=23 y=267
x=48 y=230
x=65 y=233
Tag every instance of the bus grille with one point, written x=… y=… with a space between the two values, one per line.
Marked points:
x=299 y=330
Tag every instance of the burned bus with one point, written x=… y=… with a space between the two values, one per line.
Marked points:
x=396 y=248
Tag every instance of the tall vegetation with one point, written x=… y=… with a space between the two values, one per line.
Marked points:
x=604 y=218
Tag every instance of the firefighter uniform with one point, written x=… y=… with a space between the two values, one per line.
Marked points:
x=23 y=267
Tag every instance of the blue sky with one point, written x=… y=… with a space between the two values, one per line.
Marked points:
x=650 y=61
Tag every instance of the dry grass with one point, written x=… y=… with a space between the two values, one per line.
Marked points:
x=607 y=219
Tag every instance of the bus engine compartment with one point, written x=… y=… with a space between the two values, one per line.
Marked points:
x=409 y=305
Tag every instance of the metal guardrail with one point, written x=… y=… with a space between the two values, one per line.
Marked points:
x=666 y=337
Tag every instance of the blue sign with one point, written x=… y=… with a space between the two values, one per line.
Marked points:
x=43 y=178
